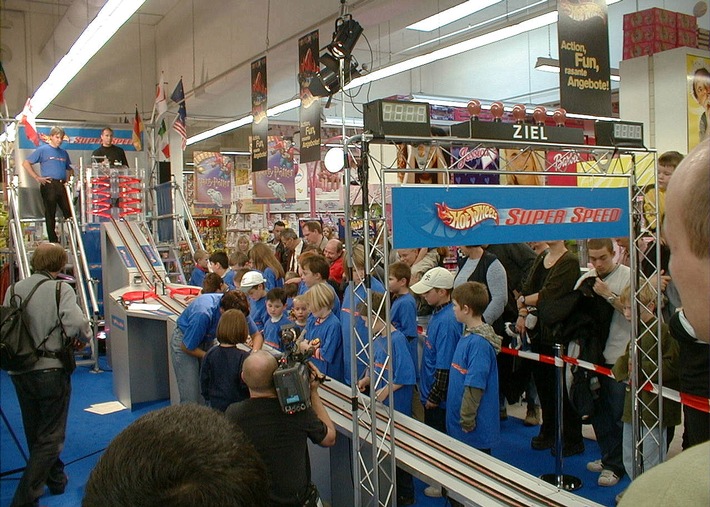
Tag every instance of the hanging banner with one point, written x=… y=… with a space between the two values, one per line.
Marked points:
x=277 y=183
x=260 y=125
x=583 y=36
x=79 y=138
x=308 y=67
x=213 y=180
x=435 y=215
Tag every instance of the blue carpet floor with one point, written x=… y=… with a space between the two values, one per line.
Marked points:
x=88 y=435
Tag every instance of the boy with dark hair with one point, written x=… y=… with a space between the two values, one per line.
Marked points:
x=314 y=270
x=220 y=265
x=403 y=310
x=275 y=306
x=472 y=413
x=403 y=378
x=253 y=285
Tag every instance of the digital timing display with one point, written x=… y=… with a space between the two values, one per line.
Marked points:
x=628 y=131
x=406 y=112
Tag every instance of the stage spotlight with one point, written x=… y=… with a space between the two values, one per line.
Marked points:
x=346 y=34
x=327 y=82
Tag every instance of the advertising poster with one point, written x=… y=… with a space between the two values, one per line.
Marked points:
x=583 y=37
x=485 y=159
x=260 y=125
x=78 y=138
x=277 y=183
x=561 y=163
x=433 y=216
x=213 y=180
x=698 y=98
x=308 y=67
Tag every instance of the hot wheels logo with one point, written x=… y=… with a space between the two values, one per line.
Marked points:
x=468 y=217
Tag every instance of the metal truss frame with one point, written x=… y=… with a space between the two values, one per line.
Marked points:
x=373 y=467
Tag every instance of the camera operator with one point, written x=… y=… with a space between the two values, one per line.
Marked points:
x=280 y=438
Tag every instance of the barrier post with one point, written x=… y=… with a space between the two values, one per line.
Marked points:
x=559 y=479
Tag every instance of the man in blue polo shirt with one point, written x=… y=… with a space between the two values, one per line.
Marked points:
x=55 y=169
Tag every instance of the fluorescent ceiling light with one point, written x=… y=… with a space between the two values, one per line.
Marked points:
x=106 y=23
x=455 y=49
x=553 y=65
x=273 y=111
x=235 y=152
x=450 y=15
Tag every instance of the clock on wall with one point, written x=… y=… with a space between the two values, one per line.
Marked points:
x=387 y=117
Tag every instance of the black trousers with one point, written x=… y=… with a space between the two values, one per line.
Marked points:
x=54 y=194
x=545 y=380
x=44 y=402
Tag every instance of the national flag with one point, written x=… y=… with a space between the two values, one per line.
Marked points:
x=180 y=124
x=162 y=131
x=3 y=84
x=161 y=107
x=137 y=136
x=28 y=120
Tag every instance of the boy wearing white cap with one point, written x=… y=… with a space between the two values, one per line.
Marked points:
x=253 y=285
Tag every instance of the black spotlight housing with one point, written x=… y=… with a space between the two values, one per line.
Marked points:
x=327 y=81
x=346 y=34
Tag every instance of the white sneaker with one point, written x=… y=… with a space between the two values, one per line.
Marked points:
x=433 y=491
x=595 y=466
x=607 y=478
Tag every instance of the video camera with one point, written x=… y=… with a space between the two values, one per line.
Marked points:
x=292 y=378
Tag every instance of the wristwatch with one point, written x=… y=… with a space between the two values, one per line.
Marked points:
x=612 y=299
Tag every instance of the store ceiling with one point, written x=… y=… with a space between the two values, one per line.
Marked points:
x=210 y=44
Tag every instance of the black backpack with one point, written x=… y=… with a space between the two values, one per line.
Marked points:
x=17 y=347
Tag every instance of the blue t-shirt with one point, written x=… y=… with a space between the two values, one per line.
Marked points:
x=272 y=331
x=474 y=365
x=221 y=381
x=53 y=162
x=331 y=345
x=270 y=279
x=228 y=278
x=257 y=311
x=403 y=314
x=197 y=278
x=402 y=372
x=347 y=322
x=199 y=319
x=443 y=333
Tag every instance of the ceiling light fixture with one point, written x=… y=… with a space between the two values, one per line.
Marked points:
x=552 y=65
x=106 y=23
x=450 y=15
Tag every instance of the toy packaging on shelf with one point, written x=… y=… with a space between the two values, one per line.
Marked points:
x=654 y=30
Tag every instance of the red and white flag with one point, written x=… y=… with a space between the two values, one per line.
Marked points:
x=28 y=120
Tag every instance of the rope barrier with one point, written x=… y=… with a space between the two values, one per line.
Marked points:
x=691 y=400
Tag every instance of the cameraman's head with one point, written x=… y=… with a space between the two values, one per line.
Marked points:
x=258 y=374
x=232 y=327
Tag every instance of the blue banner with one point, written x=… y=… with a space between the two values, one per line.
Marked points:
x=432 y=216
x=79 y=138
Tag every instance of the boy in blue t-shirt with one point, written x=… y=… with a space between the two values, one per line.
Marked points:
x=254 y=286
x=443 y=333
x=472 y=413
x=403 y=310
x=404 y=379
x=324 y=327
x=275 y=306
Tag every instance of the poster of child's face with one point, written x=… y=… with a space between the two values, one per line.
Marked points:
x=698 y=68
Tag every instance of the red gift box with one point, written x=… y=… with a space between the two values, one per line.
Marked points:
x=686 y=22
x=653 y=16
x=688 y=38
x=645 y=48
x=650 y=33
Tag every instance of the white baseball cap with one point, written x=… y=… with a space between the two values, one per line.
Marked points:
x=251 y=279
x=435 y=278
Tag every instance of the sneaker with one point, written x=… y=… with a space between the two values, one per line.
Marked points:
x=595 y=466
x=607 y=478
x=433 y=491
x=532 y=416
